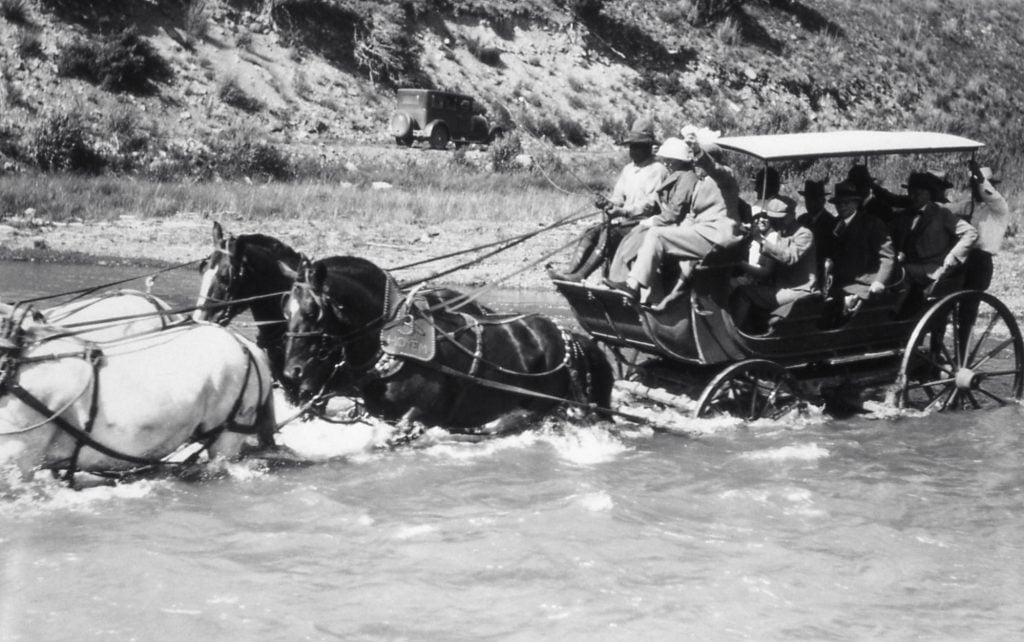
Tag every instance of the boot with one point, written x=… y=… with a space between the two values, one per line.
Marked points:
x=582 y=259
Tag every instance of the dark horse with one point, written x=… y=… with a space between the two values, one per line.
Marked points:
x=351 y=329
x=254 y=272
x=243 y=272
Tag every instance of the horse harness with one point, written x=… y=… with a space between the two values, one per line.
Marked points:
x=11 y=342
x=408 y=316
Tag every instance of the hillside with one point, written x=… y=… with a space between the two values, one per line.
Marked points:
x=317 y=77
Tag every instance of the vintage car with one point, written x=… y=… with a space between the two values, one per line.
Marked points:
x=956 y=349
x=439 y=117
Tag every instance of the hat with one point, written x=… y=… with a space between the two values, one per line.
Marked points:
x=641 y=133
x=813 y=189
x=676 y=149
x=941 y=178
x=986 y=173
x=847 y=190
x=861 y=177
x=775 y=208
x=931 y=181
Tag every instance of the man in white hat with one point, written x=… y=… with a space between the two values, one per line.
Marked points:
x=633 y=198
x=714 y=220
x=791 y=270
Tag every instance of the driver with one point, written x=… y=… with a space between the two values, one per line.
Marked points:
x=634 y=197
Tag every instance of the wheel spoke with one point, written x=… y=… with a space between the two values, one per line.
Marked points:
x=982 y=338
x=970 y=397
x=929 y=384
x=997 y=398
x=993 y=352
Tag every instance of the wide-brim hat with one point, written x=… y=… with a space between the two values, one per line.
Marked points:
x=988 y=175
x=813 y=189
x=642 y=133
x=860 y=176
x=846 y=190
x=676 y=149
x=774 y=208
x=933 y=182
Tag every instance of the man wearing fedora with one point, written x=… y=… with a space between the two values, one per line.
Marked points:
x=633 y=198
x=860 y=248
x=931 y=240
x=673 y=198
x=789 y=271
x=817 y=218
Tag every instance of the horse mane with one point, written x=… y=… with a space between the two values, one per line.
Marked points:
x=280 y=249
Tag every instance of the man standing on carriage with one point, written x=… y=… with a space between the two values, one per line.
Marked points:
x=986 y=210
x=633 y=198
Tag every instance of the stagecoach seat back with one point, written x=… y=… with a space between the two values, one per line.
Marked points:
x=797 y=317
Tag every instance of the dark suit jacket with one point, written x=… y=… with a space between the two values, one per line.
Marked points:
x=821 y=227
x=938 y=233
x=863 y=253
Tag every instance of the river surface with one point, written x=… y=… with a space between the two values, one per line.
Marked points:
x=819 y=529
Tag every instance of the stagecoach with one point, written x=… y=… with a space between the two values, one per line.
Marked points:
x=924 y=355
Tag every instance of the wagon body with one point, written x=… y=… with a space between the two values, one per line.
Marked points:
x=694 y=340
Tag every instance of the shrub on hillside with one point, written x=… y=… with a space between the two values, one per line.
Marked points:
x=232 y=94
x=573 y=132
x=241 y=154
x=14 y=11
x=122 y=62
x=29 y=44
x=503 y=152
x=60 y=143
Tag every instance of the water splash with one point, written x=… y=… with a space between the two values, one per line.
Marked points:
x=806 y=452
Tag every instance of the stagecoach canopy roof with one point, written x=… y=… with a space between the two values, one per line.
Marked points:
x=775 y=147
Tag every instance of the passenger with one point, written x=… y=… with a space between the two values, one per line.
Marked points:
x=713 y=221
x=877 y=201
x=987 y=211
x=766 y=187
x=674 y=195
x=932 y=241
x=861 y=248
x=817 y=218
x=633 y=197
x=790 y=272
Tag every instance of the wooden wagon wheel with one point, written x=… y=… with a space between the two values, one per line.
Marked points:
x=751 y=389
x=965 y=352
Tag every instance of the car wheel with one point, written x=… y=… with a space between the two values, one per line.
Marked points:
x=439 y=136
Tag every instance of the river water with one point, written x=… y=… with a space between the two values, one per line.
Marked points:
x=821 y=529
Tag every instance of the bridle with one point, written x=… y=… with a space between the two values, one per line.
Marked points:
x=227 y=308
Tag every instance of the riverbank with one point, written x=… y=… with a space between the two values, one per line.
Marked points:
x=186 y=236
x=183 y=237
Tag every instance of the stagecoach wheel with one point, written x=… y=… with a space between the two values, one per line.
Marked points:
x=966 y=352
x=752 y=389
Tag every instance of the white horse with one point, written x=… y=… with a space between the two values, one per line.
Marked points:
x=113 y=315
x=68 y=403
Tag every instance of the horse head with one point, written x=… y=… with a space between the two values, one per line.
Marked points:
x=335 y=312
x=238 y=271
